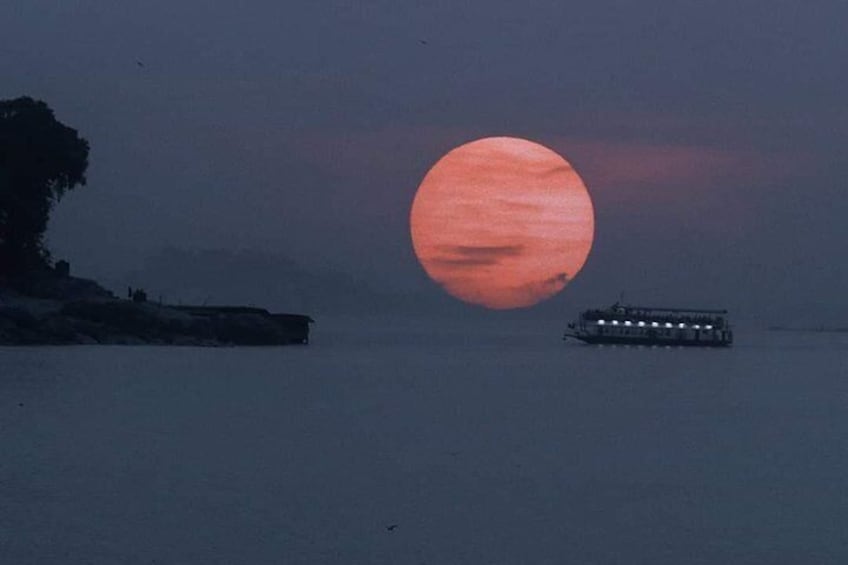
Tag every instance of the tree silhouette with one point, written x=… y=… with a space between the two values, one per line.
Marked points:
x=40 y=159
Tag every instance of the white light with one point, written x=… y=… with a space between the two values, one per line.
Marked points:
x=697 y=327
x=668 y=324
x=641 y=324
x=708 y=327
x=628 y=323
x=601 y=322
x=615 y=322
x=655 y=324
x=681 y=325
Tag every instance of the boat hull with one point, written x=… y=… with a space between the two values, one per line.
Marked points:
x=647 y=341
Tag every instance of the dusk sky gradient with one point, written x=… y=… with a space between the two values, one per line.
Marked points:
x=710 y=134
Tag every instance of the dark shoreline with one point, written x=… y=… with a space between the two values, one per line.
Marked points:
x=50 y=310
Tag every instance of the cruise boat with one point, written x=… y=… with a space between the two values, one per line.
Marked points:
x=642 y=325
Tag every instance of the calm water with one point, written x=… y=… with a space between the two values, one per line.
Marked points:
x=491 y=446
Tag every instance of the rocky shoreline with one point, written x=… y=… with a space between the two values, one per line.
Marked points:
x=50 y=310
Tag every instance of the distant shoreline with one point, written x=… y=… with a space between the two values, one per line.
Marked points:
x=807 y=330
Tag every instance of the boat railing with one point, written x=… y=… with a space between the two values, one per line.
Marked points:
x=635 y=317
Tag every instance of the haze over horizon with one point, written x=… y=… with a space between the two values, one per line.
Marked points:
x=710 y=137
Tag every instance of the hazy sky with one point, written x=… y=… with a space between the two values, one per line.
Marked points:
x=711 y=135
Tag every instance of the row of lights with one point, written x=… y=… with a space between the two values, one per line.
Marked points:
x=655 y=324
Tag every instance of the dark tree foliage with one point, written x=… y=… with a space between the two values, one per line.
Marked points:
x=40 y=159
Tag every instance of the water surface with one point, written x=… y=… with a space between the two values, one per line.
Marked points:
x=486 y=445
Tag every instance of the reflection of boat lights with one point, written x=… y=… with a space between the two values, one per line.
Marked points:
x=655 y=324
x=708 y=327
x=601 y=322
x=668 y=324
x=641 y=324
x=697 y=327
x=615 y=322
x=681 y=325
x=628 y=323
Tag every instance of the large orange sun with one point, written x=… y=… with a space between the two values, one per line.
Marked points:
x=502 y=222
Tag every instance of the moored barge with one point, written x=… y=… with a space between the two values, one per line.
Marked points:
x=642 y=325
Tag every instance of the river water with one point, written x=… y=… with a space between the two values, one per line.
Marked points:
x=493 y=446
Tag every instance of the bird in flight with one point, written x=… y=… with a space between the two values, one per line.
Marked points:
x=140 y=64
x=391 y=527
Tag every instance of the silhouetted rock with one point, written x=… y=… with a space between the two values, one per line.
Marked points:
x=62 y=269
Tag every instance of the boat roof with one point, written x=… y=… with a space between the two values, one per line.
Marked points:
x=675 y=310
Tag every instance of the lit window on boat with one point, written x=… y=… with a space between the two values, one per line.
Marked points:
x=628 y=323
x=615 y=322
x=708 y=327
x=655 y=324
x=668 y=324
x=601 y=322
x=641 y=324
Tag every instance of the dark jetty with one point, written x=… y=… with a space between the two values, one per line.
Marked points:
x=49 y=308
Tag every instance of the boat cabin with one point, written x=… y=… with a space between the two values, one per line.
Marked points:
x=652 y=326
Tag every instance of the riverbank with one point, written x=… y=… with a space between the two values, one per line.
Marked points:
x=51 y=310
